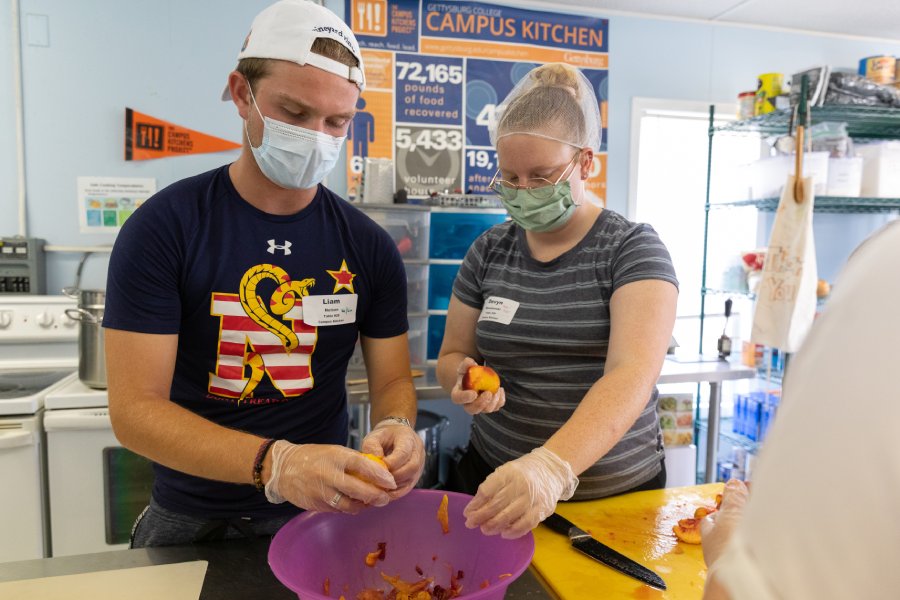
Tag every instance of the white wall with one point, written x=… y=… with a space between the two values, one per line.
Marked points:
x=170 y=58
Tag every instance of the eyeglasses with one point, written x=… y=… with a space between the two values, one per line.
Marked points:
x=540 y=187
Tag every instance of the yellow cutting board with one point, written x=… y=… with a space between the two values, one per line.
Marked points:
x=638 y=525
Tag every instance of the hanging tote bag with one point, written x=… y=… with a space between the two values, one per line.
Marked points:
x=786 y=299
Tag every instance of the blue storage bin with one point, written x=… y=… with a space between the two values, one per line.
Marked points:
x=440 y=285
x=436 y=324
x=453 y=232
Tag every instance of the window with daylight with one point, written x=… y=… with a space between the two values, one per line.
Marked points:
x=669 y=154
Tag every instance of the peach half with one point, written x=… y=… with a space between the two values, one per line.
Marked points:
x=481 y=379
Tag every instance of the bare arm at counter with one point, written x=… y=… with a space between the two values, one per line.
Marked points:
x=642 y=316
x=391 y=389
x=139 y=373
x=459 y=342
x=392 y=394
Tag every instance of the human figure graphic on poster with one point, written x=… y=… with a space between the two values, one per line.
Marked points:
x=362 y=131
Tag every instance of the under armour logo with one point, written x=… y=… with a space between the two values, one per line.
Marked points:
x=286 y=247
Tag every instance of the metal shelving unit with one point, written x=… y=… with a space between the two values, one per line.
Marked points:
x=863 y=122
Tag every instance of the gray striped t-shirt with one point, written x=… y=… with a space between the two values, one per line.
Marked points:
x=555 y=347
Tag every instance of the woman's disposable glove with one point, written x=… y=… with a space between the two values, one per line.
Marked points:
x=471 y=401
x=326 y=478
x=717 y=528
x=520 y=494
x=403 y=451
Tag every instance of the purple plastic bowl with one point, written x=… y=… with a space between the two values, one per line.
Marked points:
x=313 y=546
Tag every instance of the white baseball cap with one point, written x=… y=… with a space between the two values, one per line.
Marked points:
x=286 y=31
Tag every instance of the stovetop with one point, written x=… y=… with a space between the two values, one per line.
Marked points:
x=72 y=393
x=23 y=392
x=38 y=349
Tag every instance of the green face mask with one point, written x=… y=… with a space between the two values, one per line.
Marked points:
x=539 y=209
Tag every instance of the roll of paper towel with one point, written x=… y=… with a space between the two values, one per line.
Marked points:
x=378 y=180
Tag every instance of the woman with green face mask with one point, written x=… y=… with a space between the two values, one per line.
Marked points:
x=573 y=306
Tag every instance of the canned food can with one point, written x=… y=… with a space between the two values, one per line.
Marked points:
x=746 y=105
x=880 y=69
x=767 y=89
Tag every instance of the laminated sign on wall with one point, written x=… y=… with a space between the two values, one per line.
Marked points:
x=436 y=71
x=105 y=202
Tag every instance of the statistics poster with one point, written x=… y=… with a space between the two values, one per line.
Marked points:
x=436 y=72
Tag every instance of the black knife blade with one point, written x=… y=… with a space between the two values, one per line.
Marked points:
x=584 y=543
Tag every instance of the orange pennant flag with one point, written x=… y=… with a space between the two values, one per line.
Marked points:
x=148 y=137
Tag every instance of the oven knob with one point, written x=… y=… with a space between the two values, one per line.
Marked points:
x=5 y=319
x=45 y=320
x=67 y=321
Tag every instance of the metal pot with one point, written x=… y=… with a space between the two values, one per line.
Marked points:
x=429 y=426
x=91 y=354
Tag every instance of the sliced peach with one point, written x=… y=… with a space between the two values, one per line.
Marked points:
x=688 y=531
x=443 y=515
x=703 y=511
x=375 y=458
x=481 y=379
x=718 y=500
x=374 y=557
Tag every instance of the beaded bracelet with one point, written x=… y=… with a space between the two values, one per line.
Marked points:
x=258 y=464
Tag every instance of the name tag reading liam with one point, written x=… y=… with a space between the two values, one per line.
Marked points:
x=499 y=310
x=330 y=310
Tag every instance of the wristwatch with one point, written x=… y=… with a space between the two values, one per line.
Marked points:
x=398 y=420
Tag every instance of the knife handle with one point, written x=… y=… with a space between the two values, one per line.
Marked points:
x=558 y=523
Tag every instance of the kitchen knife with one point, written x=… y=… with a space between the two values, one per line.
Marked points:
x=584 y=543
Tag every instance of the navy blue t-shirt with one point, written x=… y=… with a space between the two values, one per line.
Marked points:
x=198 y=261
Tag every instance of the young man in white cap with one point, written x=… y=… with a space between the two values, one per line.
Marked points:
x=235 y=299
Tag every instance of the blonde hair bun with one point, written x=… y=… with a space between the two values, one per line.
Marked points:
x=558 y=75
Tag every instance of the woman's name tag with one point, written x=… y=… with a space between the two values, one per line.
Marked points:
x=323 y=311
x=498 y=310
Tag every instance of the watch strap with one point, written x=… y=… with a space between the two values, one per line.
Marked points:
x=393 y=419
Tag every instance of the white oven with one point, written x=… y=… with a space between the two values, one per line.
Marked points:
x=97 y=487
x=38 y=349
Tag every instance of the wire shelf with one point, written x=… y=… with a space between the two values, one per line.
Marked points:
x=862 y=121
x=726 y=433
x=823 y=204
x=724 y=292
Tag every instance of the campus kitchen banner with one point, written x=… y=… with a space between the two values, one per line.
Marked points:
x=435 y=72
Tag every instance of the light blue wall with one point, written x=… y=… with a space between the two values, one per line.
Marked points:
x=170 y=58
x=8 y=187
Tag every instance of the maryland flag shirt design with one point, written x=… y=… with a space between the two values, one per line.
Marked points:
x=259 y=338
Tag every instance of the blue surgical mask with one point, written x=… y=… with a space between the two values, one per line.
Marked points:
x=541 y=213
x=294 y=157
